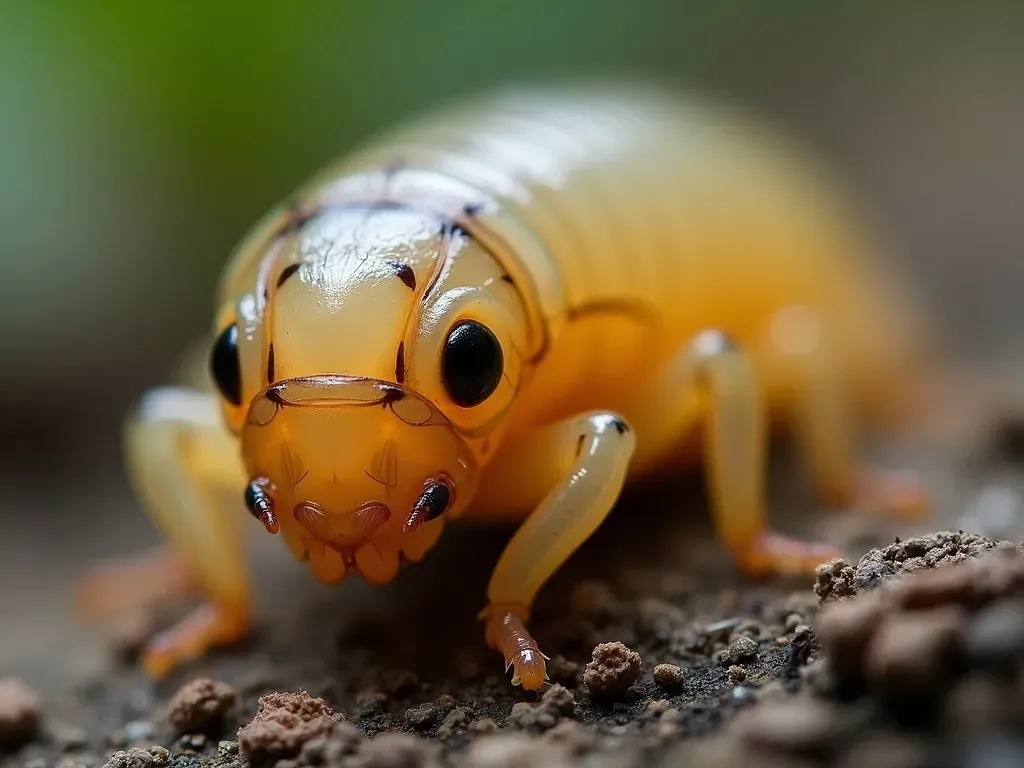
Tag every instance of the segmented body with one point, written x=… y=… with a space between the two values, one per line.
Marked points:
x=507 y=310
x=632 y=219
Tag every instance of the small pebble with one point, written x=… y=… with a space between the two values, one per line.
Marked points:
x=737 y=674
x=453 y=722
x=20 y=711
x=427 y=715
x=137 y=757
x=227 y=748
x=668 y=675
x=741 y=648
x=199 y=705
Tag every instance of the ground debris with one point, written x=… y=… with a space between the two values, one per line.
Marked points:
x=199 y=705
x=283 y=723
x=20 y=712
x=556 y=703
x=613 y=668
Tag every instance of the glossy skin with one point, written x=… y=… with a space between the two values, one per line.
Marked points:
x=665 y=280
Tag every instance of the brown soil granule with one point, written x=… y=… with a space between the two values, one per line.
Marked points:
x=136 y=757
x=837 y=579
x=742 y=648
x=613 y=668
x=911 y=633
x=283 y=723
x=737 y=673
x=199 y=705
x=668 y=675
x=426 y=716
x=20 y=711
x=556 y=703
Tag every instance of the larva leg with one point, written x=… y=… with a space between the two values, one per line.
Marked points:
x=179 y=457
x=824 y=429
x=582 y=463
x=713 y=385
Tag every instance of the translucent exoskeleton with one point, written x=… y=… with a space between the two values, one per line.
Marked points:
x=510 y=310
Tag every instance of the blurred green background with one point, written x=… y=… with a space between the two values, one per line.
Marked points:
x=139 y=140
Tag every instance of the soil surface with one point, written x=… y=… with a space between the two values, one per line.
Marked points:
x=661 y=653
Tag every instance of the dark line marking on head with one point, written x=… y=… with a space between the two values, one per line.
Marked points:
x=270 y=364
x=391 y=395
x=508 y=279
x=405 y=274
x=458 y=230
x=274 y=395
x=620 y=426
x=287 y=272
x=579 y=445
x=400 y=363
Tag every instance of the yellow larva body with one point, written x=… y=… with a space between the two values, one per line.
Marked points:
x=632 y=269
x=651 y=217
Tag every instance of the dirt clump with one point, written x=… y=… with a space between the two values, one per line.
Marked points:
x=137 y=757
x=667 y=675
x=837 y=579
x=613 y=668
x=556 y=703
x=199 y=706
x=915 y=633
x=284 y=722
x=20 y=713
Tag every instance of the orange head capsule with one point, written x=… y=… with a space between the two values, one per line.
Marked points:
x=367 y=370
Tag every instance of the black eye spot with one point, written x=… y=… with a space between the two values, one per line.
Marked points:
x=471 y=364
x=225 y=366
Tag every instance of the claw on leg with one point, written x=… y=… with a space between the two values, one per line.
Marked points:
x=506 y=632
x=205 y=627
x=772 y=554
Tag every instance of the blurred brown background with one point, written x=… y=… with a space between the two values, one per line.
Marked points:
x=139 y=140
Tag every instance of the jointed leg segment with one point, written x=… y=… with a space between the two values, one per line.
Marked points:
x=179 y=457
x=583 y=463
x=732 y=410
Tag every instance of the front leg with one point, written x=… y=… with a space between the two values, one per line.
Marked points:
x=581 y=463
x=179 y=457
